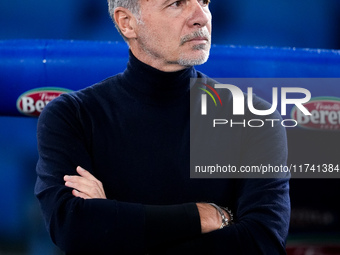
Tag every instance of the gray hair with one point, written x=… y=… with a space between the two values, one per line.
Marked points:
x=131 y=5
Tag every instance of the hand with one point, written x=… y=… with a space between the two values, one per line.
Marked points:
x=211 y=219
x=85 y=186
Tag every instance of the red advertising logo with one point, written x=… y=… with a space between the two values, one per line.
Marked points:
x=325 y=114
x=32 y=102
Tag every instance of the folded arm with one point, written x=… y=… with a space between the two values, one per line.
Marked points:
x=78 y=224
x=99 y=226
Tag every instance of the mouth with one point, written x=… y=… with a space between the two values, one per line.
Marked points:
x=198 y=37
x=197 y=40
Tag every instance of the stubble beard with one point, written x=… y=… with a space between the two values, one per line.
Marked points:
x=201 y=59
x=204 y=49
x=184 y=58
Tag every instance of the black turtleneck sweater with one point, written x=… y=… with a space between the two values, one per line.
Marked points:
x=131 y=131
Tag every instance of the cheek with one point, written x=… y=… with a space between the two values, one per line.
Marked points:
x=209 y=24
x=160 y=34
x=154 y=29
x=167 y=36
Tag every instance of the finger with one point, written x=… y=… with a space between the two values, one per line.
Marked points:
x=91 y=191
x=92 y=187
x=79 y=186
x=80 y=180
x=86 y=174
x=83 y=181
x=77 y=193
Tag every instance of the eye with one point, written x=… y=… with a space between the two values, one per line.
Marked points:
x=176 y=4
x=204 y=3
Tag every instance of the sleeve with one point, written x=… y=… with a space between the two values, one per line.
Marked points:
x=95 y=226
x=262 y=212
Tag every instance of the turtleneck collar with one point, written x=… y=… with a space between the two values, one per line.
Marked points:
x=153 y=85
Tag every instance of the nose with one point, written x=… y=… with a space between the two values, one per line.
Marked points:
x=200 y=16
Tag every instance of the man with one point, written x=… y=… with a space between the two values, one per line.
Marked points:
x=131 y=134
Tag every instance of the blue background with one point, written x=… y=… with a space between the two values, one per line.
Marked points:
x=301 y=24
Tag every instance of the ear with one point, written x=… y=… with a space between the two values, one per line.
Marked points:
x=126 y=22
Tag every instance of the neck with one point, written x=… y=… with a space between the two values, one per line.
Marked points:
x=152 y=84
x=155 y=61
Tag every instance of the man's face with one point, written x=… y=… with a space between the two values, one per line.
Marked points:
x=172 y=35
